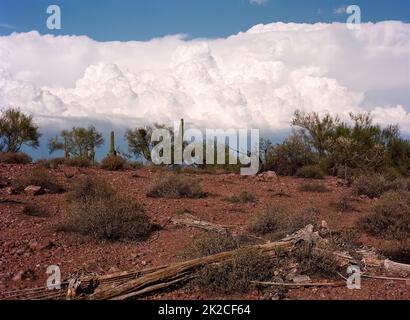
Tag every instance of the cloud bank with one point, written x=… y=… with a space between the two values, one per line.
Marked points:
x=253 y=79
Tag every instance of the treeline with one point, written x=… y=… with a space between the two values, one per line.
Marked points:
x=328 y=144
x=318 y=144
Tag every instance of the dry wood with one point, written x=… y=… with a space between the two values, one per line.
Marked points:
x=192 y=221
x=308 y=284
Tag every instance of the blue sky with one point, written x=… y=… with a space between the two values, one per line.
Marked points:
x=145 y=19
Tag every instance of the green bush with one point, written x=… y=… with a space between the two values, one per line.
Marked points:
x=310 y=172
x=175 y=187
x=390 y=217
x=286 y=158
x=374 y=185
x=114 y=163
x=14 y=158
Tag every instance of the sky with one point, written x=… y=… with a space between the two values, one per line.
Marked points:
x=146 y=19
x=217 y=64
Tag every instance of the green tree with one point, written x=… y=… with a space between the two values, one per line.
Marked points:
x=17 y=129
x=317 y=131
x=77 y=142
x=139 y=141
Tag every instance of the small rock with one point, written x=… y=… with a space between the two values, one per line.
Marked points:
x=34 y=245
x=268 y=175
x=301 y=279
x=113 y=270
x=144 y=263
x=10 y=191
x=18 y=276
x=33 y=190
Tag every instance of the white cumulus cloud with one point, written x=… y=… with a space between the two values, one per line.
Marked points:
x=258 y=2
x=253 y=79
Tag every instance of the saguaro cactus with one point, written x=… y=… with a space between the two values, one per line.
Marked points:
x=92 y=153
x=66 y=154
x=113 y=152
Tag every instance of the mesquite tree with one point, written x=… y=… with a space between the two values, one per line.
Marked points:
x=17 y=129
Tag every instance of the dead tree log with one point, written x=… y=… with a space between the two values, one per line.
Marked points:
x=191 y=221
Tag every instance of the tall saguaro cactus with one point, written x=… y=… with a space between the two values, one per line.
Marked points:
x=66 y=153
x=113 y=152
x=92 y=153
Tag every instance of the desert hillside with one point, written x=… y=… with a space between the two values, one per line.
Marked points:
x=32 y=236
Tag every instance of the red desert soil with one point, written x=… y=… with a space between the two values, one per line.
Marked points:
x=30 y=244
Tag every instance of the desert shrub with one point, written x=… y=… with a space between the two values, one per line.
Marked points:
x=313 y=187
x=79 y=162
x=206 y=246
x=136 y=164
x=390 y=217
x=348 y=238
x=175 y=187
x=315 y=262
x=15 y=158
x=90 y=188
x=298 y=221
x=34 y=211
x=243 y=197
x=235 y=275
x=310 y=172
x=113 y=163
x=374 y=185
x=37 y=176
x=345 y=204
x=268 y=221
x=279 y=222
x=109 y=218
x=397 y=253
x=286 y=158
x=51 y=163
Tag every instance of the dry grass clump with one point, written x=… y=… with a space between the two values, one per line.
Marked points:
x=345 y=204
x=310 y=172
x=268 y=221
x=313 y=187
x=51 y=163
x=374 y=185
x=278 y=222
x=235 y=275
x=37 y=176
x=34 y=211
x=110 y=218
x=243 y=197
x=209 y=245
x=78 y=162
x=175 y=187
x=390 y=217
x=89 y=188
x=315 y=262
x=114 y=163
x=97 y=211
x=14 y=158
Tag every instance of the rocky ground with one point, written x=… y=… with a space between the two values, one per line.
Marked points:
x=28 y=245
